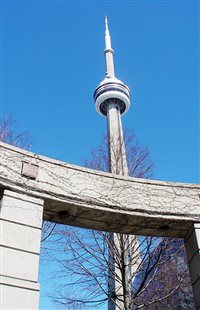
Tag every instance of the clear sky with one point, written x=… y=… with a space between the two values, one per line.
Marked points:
x=52 y=60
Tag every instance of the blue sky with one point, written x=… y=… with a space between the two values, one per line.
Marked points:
x=52 y=60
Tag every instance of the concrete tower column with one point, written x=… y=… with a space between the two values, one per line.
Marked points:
x=20 y=224
x=192 y=246
x=117 y=152
x=118 y=165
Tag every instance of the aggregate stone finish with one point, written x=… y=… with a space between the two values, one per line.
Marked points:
x=83 y=197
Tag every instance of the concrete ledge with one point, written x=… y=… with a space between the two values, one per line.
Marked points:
x=11 y=281
x=19 y=264
x=27 y=210
x=20 y=237
x=18 y=294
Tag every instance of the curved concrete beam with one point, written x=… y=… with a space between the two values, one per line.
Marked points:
x=83 y=197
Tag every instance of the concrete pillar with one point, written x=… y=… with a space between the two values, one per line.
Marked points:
x=192 y=245
x=20 y=226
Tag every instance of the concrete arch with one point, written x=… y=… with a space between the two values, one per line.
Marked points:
x=34 y=187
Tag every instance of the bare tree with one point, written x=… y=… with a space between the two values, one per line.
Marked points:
x=161 y=278
x=84 y=256
x=11 y=135
x=139 y=162
x=163 y=281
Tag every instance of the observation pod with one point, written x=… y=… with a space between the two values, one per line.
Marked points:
x=112 y=90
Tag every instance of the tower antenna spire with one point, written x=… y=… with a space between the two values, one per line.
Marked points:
x=109 y=59
x=106 y=22
x=106 y=26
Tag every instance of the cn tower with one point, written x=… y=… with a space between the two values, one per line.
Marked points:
x=112 y=99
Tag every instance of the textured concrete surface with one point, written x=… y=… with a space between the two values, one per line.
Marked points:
x=87 y=198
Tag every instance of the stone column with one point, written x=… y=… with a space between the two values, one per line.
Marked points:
x=20 y=226
x=192 y=245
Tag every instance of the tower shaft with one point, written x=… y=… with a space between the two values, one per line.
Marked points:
x=118 y=165
x=117 y=152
